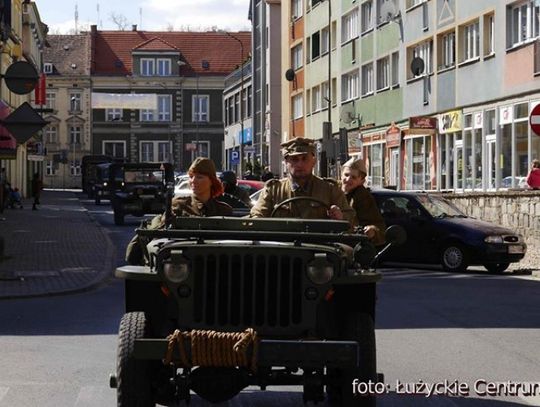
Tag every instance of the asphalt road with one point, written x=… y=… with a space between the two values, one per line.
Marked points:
x=432 y=327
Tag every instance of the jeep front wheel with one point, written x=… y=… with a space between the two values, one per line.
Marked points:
x=134 y=387
x=357 y=327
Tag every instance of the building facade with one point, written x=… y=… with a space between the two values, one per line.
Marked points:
x=441 y=102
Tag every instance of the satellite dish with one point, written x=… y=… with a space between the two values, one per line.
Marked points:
x=348 y=113
x=289 y=74
x=389 y=11
x=417 y=66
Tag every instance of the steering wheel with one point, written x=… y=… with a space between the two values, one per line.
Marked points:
x=299 y=198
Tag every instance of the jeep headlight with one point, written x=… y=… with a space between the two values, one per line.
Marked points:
x=495 y=239
x=177 y=270
x=105 y=184
x=320 y=271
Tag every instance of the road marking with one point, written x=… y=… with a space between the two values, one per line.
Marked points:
x=3 y=392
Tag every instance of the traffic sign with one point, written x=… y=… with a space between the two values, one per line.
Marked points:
x=235 y=157
x=534 y=120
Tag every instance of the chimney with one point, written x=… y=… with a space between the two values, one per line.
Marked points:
x=93 y=28
x=134 y=27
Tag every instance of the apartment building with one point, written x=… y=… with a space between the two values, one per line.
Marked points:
x=434 y=94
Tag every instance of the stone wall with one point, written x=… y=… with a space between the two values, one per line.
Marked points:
x=516 y=210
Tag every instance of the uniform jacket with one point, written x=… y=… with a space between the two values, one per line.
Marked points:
x=367 y=211
x=276 y=191
x=533 y=179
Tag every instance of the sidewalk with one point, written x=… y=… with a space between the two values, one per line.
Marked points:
x=56 y=249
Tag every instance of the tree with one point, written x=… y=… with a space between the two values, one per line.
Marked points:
x=119 y=20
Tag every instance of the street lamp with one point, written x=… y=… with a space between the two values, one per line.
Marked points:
x=241 y=165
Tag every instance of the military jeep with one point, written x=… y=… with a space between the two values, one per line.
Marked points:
x=226 y=303
x=143 y=189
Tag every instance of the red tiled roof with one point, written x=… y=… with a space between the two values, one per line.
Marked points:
x=112 y=50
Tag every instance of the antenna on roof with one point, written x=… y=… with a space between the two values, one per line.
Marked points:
x=140 y=17
x=76 y=19
x=99 y=22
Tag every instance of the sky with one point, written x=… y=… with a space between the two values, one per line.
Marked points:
x=150 y=15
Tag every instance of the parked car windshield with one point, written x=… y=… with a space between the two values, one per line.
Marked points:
x=439 y=207
x=148 y=176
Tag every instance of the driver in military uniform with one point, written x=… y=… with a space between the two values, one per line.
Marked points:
x=299 y=157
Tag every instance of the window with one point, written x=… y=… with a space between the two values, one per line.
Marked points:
x=112 y=115
x=75 y=168
x=325 y=40
x=155 y=151
x=51 y=100
x=367 y=79
x=412 y=3
x=116 y=149
x=489 y=34
x=147 y=67
x=395 y=69
x=423 y=51
x=147 y=115
x=200 y=108
x=50 y=168
x=75 y=102
x=316 y=99
x=524 y=22
x=383 y=73
x=447 y=58
x=349 y=26
x=248 y=101
x=203 y=149
x=315 y=45
x=297 y=104
x=47 y=67
x=308 y=98
x=164 y=108
x=164 y=67
x=230 y=110
x=51 y=134
x=367 y=16
x=244 y=100
x=325 y=95
x=74 y=134
x=236 y=108
x=296 y=9
x=349 y=86
x=470 y=41
x=297 y=57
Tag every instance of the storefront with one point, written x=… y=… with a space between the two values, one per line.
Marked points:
x=373 y=153
x=393 y=156
x=420 y=158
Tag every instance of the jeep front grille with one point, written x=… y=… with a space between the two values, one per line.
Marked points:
x=236 y=290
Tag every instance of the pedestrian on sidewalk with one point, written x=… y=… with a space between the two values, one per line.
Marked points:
x=37 y=186
x=533 y=179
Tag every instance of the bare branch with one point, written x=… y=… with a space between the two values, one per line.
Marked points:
x=119 y=20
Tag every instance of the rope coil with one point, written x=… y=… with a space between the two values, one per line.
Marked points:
x=213 y=348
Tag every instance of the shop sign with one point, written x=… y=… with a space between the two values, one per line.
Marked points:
x=34 y=151
x=393 y=136
x=354 y=142
x=450 y=122
x=478 y=120
x=421 y=122
x=505 y=115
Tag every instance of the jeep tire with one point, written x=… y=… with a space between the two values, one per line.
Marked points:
x=358 y=326
x=134 y=387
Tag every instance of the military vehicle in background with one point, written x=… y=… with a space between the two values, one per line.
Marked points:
x=143 y=189
x=88 y=171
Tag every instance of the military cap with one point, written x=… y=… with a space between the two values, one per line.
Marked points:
x=356 y=164
x=203 y=165
x=297 y=146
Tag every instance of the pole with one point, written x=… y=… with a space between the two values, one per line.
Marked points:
x=327 y=129
x=241 y=166
x=197 y=152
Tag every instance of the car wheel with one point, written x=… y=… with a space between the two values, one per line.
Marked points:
x=496 y=267
x=118 y=218
x=134 y=386
x=358 y=327
x=454 y=258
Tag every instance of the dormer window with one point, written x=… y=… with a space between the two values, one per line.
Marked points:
x=163 y=67
x=47 y=67
x=148 y=67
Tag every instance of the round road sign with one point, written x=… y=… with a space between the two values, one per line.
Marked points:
x=21 y=77
x=534 y=120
